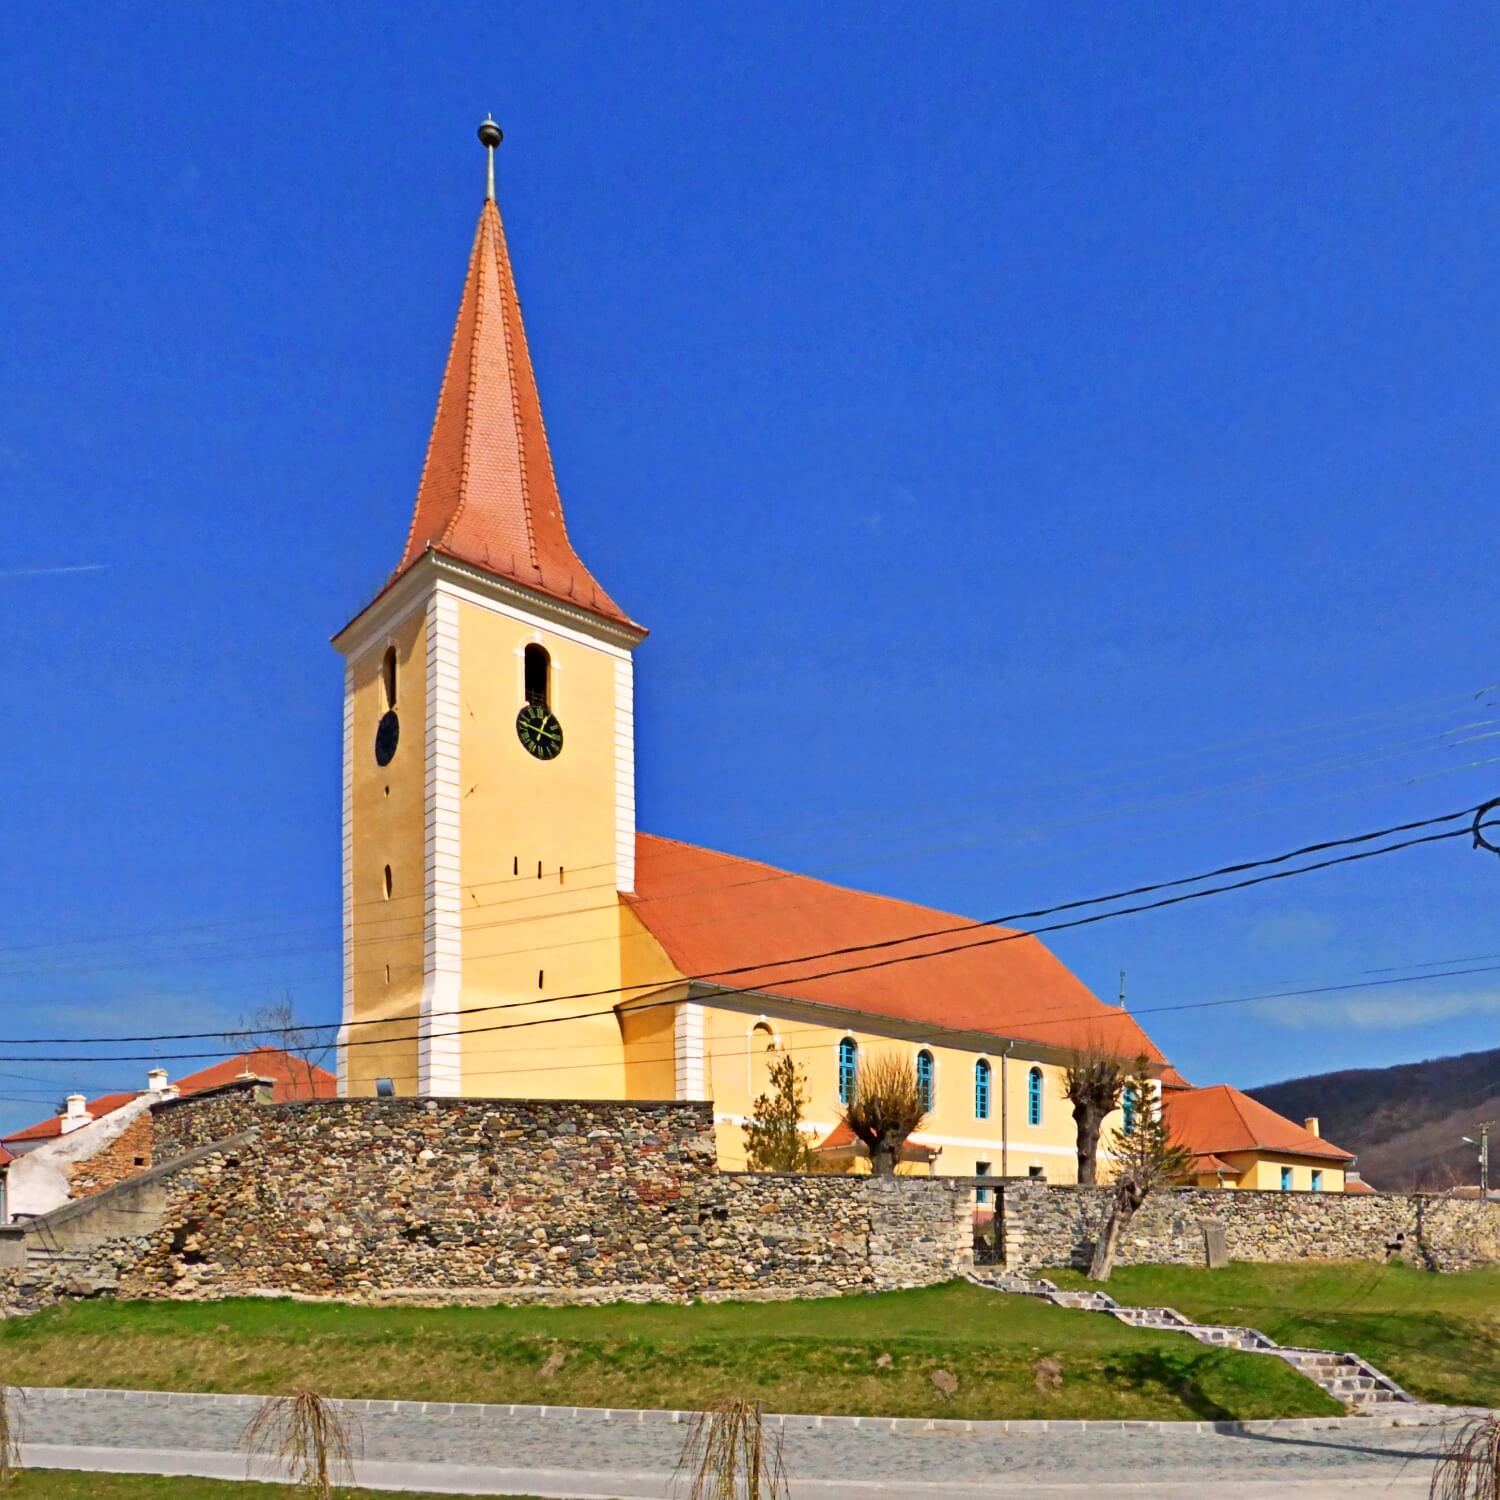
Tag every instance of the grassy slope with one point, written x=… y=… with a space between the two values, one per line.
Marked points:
x=59 y=1484
x=813 y=1356
x=1438 y=1335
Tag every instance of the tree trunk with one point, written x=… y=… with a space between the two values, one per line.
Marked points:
x=883 y=1157
x=1121 y=1212
x=1089 y=1122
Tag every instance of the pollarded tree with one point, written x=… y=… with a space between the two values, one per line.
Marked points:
x=773 y=1134
x=1146 y=1157
x=884 y=1108
x=1093 y=1083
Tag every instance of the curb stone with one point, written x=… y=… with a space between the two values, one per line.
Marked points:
x=1415 y=1415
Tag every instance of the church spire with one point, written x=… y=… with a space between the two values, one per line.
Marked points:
x=488 y=494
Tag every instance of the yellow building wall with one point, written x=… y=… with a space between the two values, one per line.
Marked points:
x=388 y=824
x=1262 y=1171
x=736 y=1066
x=541 y=917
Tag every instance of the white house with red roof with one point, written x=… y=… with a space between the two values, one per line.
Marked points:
x=97 y=1142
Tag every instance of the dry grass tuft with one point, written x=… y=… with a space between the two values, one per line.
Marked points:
x=10 y=1433
x=728 y=1455
x=1469 y=1466
x=311 y=1437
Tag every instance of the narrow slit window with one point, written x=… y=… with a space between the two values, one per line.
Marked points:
x=981 y=1090
x=386 y=881
x=388 y=677
x=538 y=676
x=1034 y=1097
x=1127 y=1109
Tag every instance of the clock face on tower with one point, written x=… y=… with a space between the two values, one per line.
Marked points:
x=387 y=733
x=538 y=730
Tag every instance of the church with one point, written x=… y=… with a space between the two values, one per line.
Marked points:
x=510 y=932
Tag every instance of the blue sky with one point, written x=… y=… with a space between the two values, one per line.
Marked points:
x=1054 y=448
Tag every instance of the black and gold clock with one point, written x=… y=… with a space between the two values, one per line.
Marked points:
x=538 y=730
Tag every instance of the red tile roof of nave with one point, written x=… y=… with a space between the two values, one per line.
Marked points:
x=288 y=1076
x=1221 y=1120
x=488 y=494
x=730 y=920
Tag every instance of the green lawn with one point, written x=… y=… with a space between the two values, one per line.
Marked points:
x=1438 y=1335
x=61 y=1484
x=860 y=1355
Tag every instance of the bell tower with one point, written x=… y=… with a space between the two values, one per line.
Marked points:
x=489 y=754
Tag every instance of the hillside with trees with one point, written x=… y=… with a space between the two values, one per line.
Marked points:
x=1405 y=1123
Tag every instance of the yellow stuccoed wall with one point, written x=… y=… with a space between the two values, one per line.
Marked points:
x=527 y=937
x=1262 y=1170
x=737 y=1067
x=387 y=810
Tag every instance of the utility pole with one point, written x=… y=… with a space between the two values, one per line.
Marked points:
x=1122 y=989
x=1484 y=1157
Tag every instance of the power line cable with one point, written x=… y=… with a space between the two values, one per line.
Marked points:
x=757 y=968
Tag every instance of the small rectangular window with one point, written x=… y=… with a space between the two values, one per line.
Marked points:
x=1317 y=1181
x=982 y=1169
x=1033 y=1171
x=1286 y=1179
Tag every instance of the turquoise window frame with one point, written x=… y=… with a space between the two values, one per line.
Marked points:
x=926 y=1080
x=848 y=1068
x=1317 y=1180
x=982 y=1090
x=1034 y=1097
x=1128 y=1109
x=1286 y=1179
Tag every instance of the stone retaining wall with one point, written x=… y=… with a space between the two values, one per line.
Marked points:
x=1045 y=1225
x=515 y=1199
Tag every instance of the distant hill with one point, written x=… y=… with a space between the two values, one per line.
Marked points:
x=1405 y=1123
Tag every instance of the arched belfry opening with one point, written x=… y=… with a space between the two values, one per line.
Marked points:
x=538 y=676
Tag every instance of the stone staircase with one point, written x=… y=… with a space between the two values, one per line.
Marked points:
x=1348 y=1378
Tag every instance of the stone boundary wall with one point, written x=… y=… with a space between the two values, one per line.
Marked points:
x=490 y=1200
x=1056 y=1225
x=179 y=1125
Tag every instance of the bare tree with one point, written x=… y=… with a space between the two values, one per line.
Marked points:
x=1093 y=1083
x=729 y=1453
x=276 y=1027
x=884 y=1108
x=1146 y=1157
x=773 y=1134
x=1468 y=1465
x=309 y=1437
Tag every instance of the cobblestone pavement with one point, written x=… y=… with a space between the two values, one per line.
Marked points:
x=498 y=1450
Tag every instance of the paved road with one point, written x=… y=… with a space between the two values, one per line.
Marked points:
x=489 y=1450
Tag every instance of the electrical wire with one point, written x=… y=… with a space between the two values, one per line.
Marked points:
x=802 y=979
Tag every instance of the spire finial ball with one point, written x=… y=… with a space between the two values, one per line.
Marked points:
x=490 y=134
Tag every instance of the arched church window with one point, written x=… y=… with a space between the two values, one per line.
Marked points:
x=388 y=677
x=925 y=1073
x=538 y=676
x=1034 y=1097
x=848 y=1068
x=1128 y=1105
x=762 y=1053
x=981 y=1090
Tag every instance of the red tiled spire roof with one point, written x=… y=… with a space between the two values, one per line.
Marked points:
x=488 y=494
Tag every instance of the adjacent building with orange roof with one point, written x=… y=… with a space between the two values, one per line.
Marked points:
x=1239 y=1143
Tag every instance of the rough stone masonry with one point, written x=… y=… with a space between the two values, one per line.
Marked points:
x=446 y=1200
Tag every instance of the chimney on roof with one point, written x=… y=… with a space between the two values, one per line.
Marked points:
x=1310 y=1125
x=156 y=1080
x=75 y=1113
